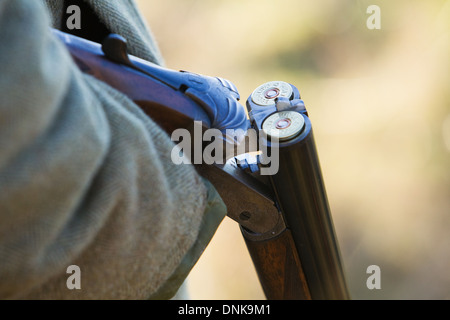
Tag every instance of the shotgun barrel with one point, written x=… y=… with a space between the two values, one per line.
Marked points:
x=301 y=198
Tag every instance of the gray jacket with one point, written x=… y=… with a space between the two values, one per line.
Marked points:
x=86 y=178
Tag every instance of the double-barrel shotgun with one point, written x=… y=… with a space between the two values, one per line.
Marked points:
x=280 y=205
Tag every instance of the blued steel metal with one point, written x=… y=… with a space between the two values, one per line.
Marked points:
x=302 y=198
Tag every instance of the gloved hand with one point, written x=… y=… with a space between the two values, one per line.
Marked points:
x=215 y=211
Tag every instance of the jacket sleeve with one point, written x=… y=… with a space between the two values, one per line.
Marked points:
x=86 y=178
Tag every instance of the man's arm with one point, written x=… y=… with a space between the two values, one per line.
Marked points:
x=86 y=178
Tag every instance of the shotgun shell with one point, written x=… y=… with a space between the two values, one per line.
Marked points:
x=266 y=94
x=284 y=125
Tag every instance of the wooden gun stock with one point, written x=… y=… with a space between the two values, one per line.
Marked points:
x=284 y=217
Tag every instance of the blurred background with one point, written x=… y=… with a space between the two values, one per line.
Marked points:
x=379 y=101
